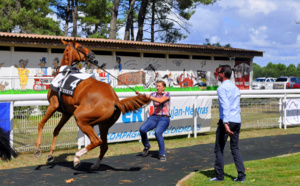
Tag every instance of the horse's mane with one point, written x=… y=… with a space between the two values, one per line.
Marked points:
x=66 y=54
x=66 y=57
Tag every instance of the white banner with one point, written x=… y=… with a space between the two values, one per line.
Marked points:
x=292 y=112
x=203 y=108
x=183 y=120
x=182 y=107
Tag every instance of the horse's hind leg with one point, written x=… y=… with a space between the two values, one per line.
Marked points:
x=95 y=141
x=103 y=147
x=103 y=128
x=50 y=111
x=62 y=122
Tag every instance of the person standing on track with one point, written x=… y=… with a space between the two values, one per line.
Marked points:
x=160 y=119
x=229 y=125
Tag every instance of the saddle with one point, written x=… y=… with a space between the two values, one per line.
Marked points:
x=66 y=82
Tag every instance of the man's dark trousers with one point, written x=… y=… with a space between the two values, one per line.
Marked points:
x=221 y=138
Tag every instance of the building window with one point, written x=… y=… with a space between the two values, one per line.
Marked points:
x=153 y=55
x=5 y=48
x=242 y=59
x=133 y=54
x=202 y=57
x=179 y=56
x=102 y=53
x=222 y=58
x=30 y=49
x=57 y=50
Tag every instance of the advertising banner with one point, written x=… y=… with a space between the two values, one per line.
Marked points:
x=186 y=113
x=5 y=118
x=292 y=112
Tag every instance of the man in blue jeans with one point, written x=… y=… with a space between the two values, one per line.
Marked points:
x=229 y=125
x=159 y=120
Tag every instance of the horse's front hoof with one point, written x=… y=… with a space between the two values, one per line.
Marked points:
x=50 y=159
x=94 y=168
x=37 y=153
x=77 y=164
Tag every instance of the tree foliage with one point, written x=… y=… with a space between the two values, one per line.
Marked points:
x=163 y=20
x=63 y=12
x=207 y=42
x=28 y=17
x=275 y=70
x=96 y=18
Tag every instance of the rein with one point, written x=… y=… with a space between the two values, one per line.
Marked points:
x=101 y=67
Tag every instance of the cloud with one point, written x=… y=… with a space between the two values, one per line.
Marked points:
x=298 y=39
x=249 y=8
x=264 y=25
x=121 y=33
x=259 y=36
x=203 y=21
x=258 y=6
x=214 y=39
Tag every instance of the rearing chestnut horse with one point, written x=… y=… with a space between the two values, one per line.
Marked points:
x=93 y=103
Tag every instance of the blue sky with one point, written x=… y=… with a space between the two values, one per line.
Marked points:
x=264 y=25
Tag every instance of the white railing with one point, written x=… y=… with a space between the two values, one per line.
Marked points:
x=260 y=108
x=34 y=82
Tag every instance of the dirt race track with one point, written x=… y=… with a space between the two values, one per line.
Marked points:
x=133 y=169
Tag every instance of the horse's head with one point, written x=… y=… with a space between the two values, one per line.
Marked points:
x=75 y=52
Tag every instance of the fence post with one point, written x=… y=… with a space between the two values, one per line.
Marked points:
x=284 y=111
x=86 y=140
x=11 y=136
x=280 y=113
x=284 y=84
x=195 y=117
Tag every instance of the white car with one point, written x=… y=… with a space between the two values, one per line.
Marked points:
x=263 y=83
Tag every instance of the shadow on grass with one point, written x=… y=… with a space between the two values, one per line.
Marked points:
x=211 y=174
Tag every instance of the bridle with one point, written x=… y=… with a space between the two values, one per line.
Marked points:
x=88 y=57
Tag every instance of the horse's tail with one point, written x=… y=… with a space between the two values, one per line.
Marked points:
x=6 y=152
x=132 y=103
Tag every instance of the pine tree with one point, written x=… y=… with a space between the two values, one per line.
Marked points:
x=28 y=17
x=114 y=18
x=95 y=22
x=64 y=12
x=167 y=19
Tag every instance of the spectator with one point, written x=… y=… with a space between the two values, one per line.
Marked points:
x=229 y=125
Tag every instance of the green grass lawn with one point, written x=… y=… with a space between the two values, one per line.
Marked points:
x=137 y=88
x=282 y=170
